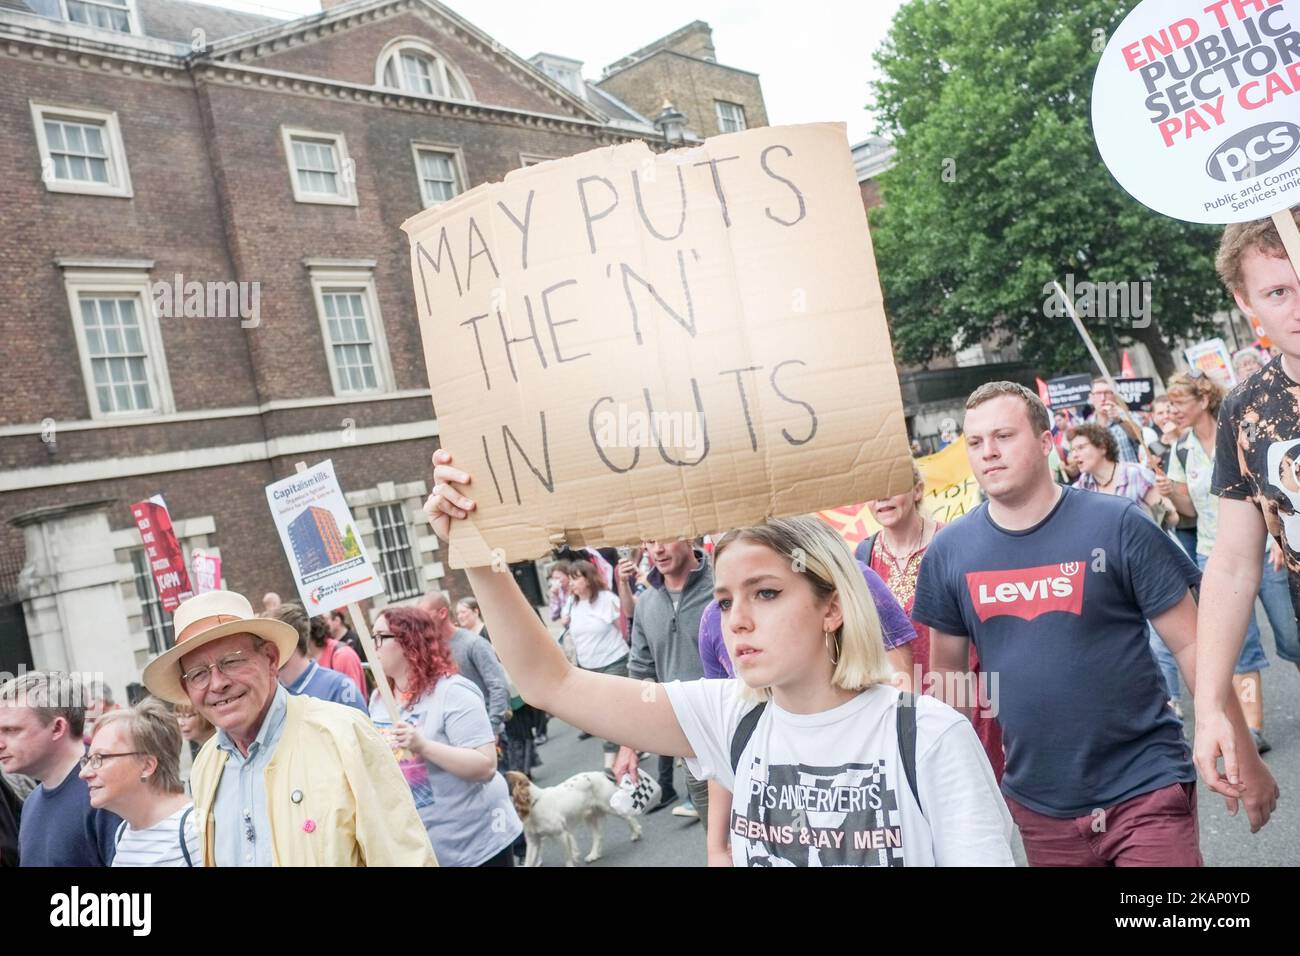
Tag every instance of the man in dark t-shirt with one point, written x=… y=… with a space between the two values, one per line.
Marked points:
x=1055 y=587
x=1256 y=479
x=42 y=717
x=341 y=630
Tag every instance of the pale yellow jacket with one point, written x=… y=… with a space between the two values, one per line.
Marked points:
x=358 y=803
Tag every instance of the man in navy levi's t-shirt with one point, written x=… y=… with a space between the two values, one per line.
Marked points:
x=1055 y=585
x=1058 y=611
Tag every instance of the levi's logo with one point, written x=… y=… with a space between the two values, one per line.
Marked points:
x=1027 y=592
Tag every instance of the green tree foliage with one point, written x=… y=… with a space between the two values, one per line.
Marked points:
x=999 y=188
x=350 y=547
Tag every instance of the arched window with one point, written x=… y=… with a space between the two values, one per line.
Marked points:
x=413 y=66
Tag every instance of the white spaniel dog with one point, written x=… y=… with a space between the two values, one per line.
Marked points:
x=556 y=811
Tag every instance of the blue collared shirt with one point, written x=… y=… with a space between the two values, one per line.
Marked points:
x=242 y=834
x=325 y=684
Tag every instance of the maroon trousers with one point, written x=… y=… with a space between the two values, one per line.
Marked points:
x=1153 y=829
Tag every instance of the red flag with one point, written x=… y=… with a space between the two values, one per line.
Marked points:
x=1126 y=367
x=1042 y=391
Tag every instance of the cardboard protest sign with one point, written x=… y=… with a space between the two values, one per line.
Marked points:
x=950 y=491
x=624 y=345
x=1213 y=358
x=320 y=540
x=1137 y=392
x=166 y=560
x=1069 y=391
x=1195 y=107
x=207 y=571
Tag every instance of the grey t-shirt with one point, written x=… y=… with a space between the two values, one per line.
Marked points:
x=477 y=660
x=468 y=822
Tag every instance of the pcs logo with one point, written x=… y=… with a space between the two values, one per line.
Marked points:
x=1253 y=152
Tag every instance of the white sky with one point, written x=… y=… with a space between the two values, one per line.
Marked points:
x=813 y=67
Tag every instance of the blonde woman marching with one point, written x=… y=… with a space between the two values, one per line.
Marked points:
x=825 y=767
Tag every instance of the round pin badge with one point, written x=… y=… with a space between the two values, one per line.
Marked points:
x=296 y=796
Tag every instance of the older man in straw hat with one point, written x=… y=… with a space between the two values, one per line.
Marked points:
x=286 y=781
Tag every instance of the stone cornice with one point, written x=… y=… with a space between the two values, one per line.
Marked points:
x=277 y=38
x=276 y=81
x=153 y=60
x=677 y=53
x=54 y=49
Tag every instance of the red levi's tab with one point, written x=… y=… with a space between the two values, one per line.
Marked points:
x=1028 y=592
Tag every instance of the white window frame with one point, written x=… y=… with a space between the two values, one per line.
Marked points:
x=133 y=17
x=458 y=163
x=427 y=547
x=445 y=67
x=337 y=278
x=119 y=175
x=717 y=107
x=106 y=281
x=152 y=616
x=533 y=159
x=346 y=168
x=410 y=529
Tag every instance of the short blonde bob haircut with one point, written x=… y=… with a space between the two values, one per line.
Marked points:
x=155 y=731
x=825 y=561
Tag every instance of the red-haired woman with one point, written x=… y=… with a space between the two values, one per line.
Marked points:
x=444 y=743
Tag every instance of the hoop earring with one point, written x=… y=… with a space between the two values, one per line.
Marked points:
x=832 y=645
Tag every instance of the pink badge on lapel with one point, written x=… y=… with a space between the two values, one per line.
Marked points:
x=309 y=826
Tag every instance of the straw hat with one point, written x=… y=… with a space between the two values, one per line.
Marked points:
x=201 y=620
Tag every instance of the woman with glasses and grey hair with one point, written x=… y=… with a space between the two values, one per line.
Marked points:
x=132 y=768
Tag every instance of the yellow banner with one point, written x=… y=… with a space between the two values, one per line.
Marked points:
x=950 y=492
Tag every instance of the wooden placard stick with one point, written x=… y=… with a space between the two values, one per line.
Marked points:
x=1153 y=458
x=1286 y=228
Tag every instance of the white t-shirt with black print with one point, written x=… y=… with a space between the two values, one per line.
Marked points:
x=828 y=789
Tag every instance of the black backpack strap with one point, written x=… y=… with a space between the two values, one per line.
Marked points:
x=117 y=837
x=744 y=731
x=185 y=846
x=906 y=713
x=1182 y=450
x=866 y=549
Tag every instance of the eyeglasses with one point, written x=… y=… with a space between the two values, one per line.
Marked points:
x=95 y=761
x=230 y=665
x=380 y=636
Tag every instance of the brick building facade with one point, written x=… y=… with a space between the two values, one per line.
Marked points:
x=682 y=68
x=206 y=283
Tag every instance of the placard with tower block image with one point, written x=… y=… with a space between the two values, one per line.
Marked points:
x=320 y=539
